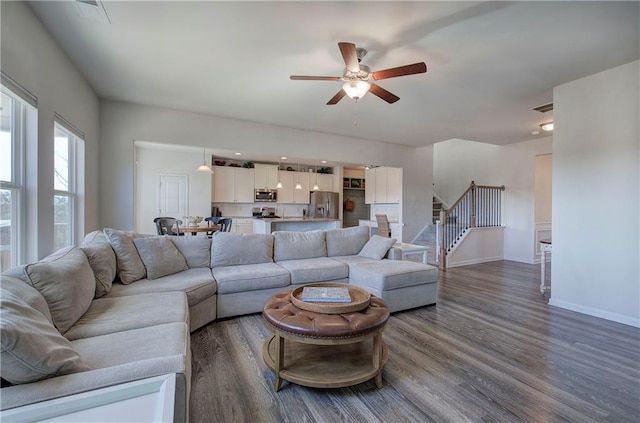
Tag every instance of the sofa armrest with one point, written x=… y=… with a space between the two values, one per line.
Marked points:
x=394 y=254
x=47 y=389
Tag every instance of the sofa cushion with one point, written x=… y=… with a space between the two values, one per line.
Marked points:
x=66 y=282
x=102 y=260
x=197 y=283
x=250 y=277
x=315 y=270
x=27 y=293
x=298 y=245
x=386 y=275
x=130 y=266
x=117 y=314
x=195 y=249
x=347 y=241
x=228 y=249
x=377 y=247
x=32 y=349
x=160 y=256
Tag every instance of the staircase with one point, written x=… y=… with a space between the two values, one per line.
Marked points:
x=437 y=207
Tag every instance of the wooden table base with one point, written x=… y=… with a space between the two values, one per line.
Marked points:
x=321 y=364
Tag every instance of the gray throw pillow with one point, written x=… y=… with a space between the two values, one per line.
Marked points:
x=376 y=248
x=130 y=266
x=229 y=249
x=32 y=349
x=347 y=241
x=27 y=293
x=195 y=249
x=66 y=282
x=160 y=256
x=102 y=260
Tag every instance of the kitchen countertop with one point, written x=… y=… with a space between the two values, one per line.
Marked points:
x=296 y=219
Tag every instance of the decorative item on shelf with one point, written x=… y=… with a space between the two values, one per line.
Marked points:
x=346 y=183
x=234 y=165
x=219 y=162
x=248 y=165
x=325 y=170
x=290 y=169
x=204 y=167
x=349 y=205
x=356 y=183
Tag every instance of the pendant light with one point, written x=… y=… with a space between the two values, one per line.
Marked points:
x=204 y=167
x=315 y=186
x=298 y=185
x=279 y=184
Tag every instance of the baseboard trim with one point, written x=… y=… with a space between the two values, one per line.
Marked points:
x=474 y=261
x=607 y=315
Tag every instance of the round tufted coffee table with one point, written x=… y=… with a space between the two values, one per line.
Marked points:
x=324 y=350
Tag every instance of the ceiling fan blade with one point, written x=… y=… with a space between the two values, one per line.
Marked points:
x=383 y=94
x=314 y=78
x=400 y=71
x=336 y=98
x=350 y=56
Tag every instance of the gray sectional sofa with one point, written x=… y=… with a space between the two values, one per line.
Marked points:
x=121 y=306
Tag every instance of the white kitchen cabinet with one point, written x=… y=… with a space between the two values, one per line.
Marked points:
x=383 y=185
x=288 y=194
x=266 y=176
x=233 y=185
x=325 y=182
x=242 y=226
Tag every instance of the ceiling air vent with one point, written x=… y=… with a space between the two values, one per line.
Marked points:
x=544 y=108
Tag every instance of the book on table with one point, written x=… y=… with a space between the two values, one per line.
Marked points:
x=324 y=294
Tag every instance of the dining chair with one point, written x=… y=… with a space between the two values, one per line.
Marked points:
x=224 y=224
x=211 y=221
x=165 y=225
x=383 y=225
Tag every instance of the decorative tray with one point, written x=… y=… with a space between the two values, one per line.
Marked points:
x=359 y=300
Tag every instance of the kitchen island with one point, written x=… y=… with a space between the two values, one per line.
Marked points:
x=297 y=224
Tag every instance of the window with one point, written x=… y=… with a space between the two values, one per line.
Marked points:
x=67 y=180
x=12 y=140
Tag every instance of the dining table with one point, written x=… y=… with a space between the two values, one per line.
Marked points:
x=194 y=230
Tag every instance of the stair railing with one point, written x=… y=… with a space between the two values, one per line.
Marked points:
x=478 y=206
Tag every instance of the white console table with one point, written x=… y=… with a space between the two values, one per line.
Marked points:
x=146 y=400
x=545 y=249
x=412 y=249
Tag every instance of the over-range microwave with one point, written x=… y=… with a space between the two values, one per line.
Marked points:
x=266 y=195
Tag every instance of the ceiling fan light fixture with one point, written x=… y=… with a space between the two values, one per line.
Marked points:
x=547 y=126
x=356 y=89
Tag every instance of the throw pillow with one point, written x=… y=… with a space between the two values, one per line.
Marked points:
x=160 y=256
x=102 y=260
x=66 y=282
x=32 y=349
x=27 y=293
x=130 y=266
x=195 y=249
x=346 y=242
x=229 y=249
x=376 y=248
x=298 y=245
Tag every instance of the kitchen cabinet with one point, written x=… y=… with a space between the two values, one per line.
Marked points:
x=288 y=194
x=326 y=182
x=266 y=176
x=384 y=185
x=233 y=185
x=242 y=226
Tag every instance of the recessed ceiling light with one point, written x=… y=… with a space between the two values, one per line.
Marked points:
x=547 y=126
x=283 y=158
x=238 y=154
x=535 y=132
x=323 y=161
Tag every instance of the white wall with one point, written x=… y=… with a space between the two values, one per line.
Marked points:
x=596 y=200
x=458 y=162
x=150 y=163
x=121 y=123
x=35 y=61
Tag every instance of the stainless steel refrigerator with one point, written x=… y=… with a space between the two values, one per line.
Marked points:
x=323 y=204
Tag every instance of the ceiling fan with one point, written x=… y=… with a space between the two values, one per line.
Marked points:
x=359 y=79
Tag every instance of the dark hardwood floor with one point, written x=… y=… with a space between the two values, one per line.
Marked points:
x=491 y=350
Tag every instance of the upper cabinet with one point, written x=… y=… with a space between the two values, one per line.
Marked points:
x=288 y=194
x=233 y=185
x=384 y=185
x=266 y=176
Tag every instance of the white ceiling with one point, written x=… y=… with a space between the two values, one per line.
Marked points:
x=488 y=63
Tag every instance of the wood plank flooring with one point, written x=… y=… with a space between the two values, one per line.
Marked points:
x=491 y=350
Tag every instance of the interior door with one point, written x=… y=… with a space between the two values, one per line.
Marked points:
x=172 y=196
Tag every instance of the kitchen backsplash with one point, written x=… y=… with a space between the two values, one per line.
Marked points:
x=244 y=210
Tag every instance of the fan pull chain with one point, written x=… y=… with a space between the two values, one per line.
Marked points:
x=355 y=113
